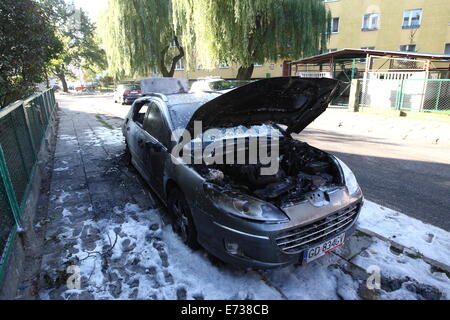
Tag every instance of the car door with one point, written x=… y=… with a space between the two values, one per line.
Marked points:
x=155 y=141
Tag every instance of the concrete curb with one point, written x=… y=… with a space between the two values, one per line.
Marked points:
x=411 y=250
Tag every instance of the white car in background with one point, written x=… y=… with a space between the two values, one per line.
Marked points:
x=127 y=93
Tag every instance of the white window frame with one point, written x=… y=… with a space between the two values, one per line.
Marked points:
x=180 y=65
x=447 y=45
x=410 y=14
x=407 y=46
x=338 y=25
x=370 y=26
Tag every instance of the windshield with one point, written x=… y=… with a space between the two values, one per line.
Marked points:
x=182 y=114
x=264 y=130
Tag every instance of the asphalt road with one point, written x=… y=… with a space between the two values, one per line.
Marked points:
x=407 y=176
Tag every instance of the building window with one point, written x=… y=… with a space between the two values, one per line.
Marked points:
x=368 y=48
x=370 y=21
x=334 y=25
x=412 y=18
x=180 y=65
x=447 y=49
x=408 y=48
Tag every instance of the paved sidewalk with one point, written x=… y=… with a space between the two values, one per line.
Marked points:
x=104 y=225
x=435 y=132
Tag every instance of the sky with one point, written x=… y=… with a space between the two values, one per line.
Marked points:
x=92 y=7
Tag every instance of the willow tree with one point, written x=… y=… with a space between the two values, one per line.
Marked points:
x=246 y=32
x=139 y=37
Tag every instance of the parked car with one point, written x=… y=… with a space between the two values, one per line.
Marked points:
x=127 y=94
x=305 y=210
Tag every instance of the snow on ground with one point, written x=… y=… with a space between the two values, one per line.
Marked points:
x=136 y=257
x=424 y=239
x=104 y=136
x=128 y=252
x=409 y=276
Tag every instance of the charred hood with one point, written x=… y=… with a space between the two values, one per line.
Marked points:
x=291 y=101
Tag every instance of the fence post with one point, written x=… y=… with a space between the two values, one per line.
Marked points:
x=9 y=189
x=438 y=96
x=353 y=103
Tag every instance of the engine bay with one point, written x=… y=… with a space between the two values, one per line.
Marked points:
x=302 y=169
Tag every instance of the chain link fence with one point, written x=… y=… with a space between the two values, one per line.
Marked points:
x=429 y=95
x=23 y=126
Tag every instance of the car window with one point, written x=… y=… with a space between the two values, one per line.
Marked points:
x=139 y=113
x=155 y=124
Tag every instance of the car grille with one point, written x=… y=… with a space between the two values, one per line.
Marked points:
x=298 y=239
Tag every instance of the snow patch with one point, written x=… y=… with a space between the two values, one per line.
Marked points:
x=425 y=239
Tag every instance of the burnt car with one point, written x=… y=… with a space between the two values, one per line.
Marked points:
x=303 y=210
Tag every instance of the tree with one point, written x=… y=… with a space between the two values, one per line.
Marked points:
x=77 y=33
x=249 y=31
x=139 y=38
x=28 y=43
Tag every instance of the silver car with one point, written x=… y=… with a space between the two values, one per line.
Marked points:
x=305 y=209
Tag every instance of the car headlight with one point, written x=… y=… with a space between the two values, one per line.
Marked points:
x=349 y=178
x=243 y=206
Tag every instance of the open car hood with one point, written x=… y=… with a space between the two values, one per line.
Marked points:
x=291 y=101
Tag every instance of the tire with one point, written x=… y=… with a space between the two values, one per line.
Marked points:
x=183 y=223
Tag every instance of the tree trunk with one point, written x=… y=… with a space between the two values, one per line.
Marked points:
x=245 y=73
x=169 y=73
x=62 y=78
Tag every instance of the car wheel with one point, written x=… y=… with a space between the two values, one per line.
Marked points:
x=183 y=223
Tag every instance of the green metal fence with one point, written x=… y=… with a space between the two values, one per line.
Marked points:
x=23 y=126
x=423 y=95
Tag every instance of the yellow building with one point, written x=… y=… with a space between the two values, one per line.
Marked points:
x=398 y=25
x=266 y=70
x=401 y=25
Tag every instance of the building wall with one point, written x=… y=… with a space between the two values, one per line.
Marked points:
x=431 y=37
x=268 y=69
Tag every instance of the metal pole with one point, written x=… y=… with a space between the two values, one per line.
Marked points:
x=438 y=96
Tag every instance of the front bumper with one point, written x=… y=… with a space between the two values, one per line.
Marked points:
x=264 y=250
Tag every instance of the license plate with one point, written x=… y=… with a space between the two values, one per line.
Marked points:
x=323 y=249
